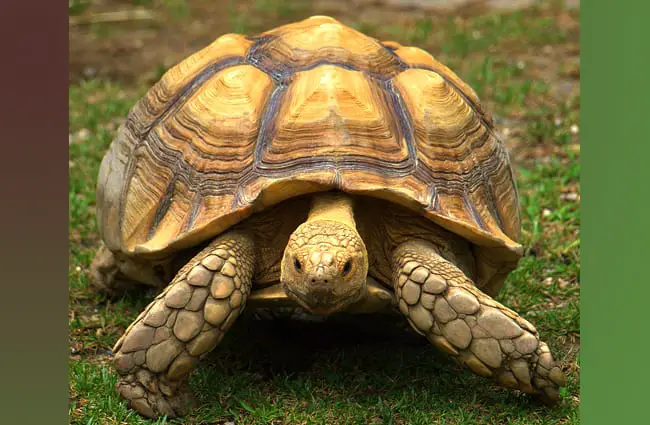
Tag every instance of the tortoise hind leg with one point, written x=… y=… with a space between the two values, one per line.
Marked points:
x=443 y=304
x=105 y=273
x=114 y=274
x=186 y=321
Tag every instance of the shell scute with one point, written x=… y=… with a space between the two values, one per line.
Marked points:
x=333 y=116
x=299 y=46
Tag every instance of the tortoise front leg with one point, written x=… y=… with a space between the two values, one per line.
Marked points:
x=490 y=339
x=186 y=321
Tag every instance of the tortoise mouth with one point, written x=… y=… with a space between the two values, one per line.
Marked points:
x=373 y=296
x=317 y=306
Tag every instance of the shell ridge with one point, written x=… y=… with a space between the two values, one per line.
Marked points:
x=475 y=108
x=257 y=52
x=490 y=198
x=164 y=205
x=432 y=196
x=279 y=76
x=473 y=212
x=199 y=152
x=477 y=142
x=466 y=98
x=405 y=123
x=190 y=88
x=196 y=203
x=267 y=123
x=449 y=177
x=129 y=170
x=180 y=168
x=173 y=105
x=482 y=140
x=314 y=163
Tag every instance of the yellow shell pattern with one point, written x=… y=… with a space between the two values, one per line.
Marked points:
x=248 y=122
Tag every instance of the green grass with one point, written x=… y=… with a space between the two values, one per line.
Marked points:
x=327 y=374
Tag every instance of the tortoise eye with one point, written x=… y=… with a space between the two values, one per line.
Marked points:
x=347 y=267
x=296 y=264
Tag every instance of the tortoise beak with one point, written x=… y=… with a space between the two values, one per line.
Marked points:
x=321 y=301
x=278 y=296
x=377 y=297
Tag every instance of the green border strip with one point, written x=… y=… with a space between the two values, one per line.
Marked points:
x=616 y=188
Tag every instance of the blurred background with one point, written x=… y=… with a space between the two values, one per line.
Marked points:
x=523 y=59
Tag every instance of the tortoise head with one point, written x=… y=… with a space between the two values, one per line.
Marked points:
x=324 y=267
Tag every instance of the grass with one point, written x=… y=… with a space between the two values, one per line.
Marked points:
x=326 y=374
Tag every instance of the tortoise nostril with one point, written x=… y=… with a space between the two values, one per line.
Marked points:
x=347 y=267
x=319 y=281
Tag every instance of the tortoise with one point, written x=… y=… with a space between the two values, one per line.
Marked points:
x=315 y=169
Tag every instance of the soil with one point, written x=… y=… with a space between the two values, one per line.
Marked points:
x=139 y=50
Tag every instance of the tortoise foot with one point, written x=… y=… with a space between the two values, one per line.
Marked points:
x=104 y=271
x=488 y=338
x=180 y=326
x=154 y=396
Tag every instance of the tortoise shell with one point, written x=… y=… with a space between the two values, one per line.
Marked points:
x=248 y=122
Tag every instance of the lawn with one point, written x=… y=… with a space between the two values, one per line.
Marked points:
x=525 y=67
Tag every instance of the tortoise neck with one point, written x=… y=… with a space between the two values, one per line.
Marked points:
x=332 y=206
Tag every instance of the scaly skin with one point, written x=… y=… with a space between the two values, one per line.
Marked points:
x=493 y=341
x=325 y=263
x=185 y=322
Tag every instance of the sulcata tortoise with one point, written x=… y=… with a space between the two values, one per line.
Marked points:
x=317 y=169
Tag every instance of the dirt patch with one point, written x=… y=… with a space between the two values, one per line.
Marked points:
x=117 y=40
x=133 y=50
